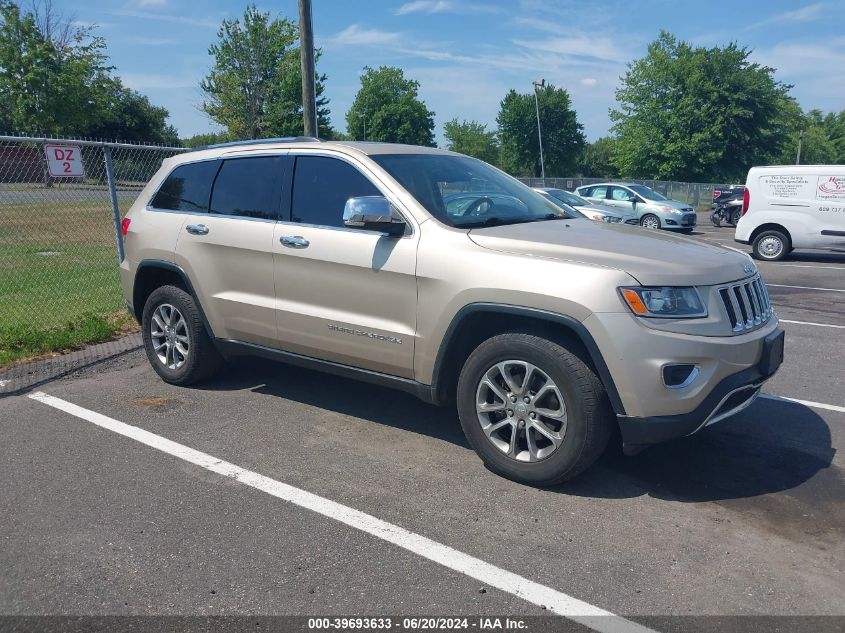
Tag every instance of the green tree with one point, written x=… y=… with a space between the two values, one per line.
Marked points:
x=822 y=139
x=55 y=80
x=205 y=138
x=473 y=139
x=563 y=135
x=129 y=116
x=698 y=114
x=254 y=88
x=45 y=89
x=389 y=108
x=597 y=159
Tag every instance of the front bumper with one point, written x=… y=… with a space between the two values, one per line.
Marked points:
x=731 y=395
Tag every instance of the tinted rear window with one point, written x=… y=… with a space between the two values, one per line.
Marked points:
x=187 y=188
x=248 y=187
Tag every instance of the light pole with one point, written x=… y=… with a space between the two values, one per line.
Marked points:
x=539 y=84
x=800 y=142
x=363 y=117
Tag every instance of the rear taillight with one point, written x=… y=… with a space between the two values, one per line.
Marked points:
x=746 y=200
x=124 y=226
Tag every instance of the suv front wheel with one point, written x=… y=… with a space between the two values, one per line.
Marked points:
x=175 y=339
x=532 y=410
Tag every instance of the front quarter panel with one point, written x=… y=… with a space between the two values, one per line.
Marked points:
x=453 y=272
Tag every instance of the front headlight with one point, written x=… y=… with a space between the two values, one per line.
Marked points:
x=668 y=302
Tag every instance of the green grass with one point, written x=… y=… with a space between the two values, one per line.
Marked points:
x=59 y=281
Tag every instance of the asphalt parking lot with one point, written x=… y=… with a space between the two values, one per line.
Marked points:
x=746 y=518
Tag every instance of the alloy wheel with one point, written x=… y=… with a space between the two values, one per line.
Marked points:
x=169 y=335
x=521 y=410
x=650 y=222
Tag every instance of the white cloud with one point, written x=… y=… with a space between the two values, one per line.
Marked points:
x=808 y=13
x=354 y=35
x=174 y=19
x=816 y=70
x=603 y=48
x=446 y=6
x=589 y=81
x=151 y=3
x=423 y=6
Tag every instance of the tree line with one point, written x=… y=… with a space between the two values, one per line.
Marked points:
x=683 y=112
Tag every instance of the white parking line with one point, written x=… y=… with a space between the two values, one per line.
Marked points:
x=779 y=265
x=804 y=287
x=806 y=403
x=840 y=327
x=555 y=601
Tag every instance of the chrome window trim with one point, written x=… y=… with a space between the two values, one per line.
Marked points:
x=201 y=214
x=348 y=229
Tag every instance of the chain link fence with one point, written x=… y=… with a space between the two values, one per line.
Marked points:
x=61 y=202
x=698 y=195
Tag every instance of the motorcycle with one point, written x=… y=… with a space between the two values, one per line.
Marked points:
x=728 y=210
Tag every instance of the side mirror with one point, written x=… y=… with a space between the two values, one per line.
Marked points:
x=373 y=213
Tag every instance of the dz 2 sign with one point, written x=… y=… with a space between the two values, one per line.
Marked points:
x=64 y=161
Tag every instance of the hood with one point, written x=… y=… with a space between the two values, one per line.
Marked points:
x=654 y=258
x=675 y=204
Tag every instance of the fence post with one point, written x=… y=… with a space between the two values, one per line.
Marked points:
x=115 y=209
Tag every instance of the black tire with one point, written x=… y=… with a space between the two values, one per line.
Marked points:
x=648 y=217
x=589 y=415
x=716 y=219
x=203 y=360
x=762 y=243
x=735 y=216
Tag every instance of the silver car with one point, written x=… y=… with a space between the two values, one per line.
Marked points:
x=596 y=212
x=654 y=210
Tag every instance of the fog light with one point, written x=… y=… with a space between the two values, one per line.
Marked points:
x=679 y=376
x=672 y=222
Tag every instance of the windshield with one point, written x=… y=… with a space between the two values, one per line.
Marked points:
x=645 y=192
x=465 y=192
x=570 y=198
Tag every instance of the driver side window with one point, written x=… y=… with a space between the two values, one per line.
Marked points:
x=321 y=187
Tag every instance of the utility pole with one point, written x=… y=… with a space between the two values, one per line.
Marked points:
x=539 y=84
x=800 y=142
x=306 y=54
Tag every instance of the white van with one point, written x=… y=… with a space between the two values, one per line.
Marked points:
x=793 y=206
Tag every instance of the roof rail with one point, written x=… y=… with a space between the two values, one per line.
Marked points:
x=263 y=141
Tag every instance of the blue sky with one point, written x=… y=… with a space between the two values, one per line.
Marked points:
x=468 y=53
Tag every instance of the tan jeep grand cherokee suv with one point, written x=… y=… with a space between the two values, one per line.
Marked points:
x=436 y=273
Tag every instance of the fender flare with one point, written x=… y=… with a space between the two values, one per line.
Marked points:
x=571 y=324
x=170 y=266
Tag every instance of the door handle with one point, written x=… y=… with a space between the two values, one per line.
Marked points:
x=294 y=241
x=197 y=229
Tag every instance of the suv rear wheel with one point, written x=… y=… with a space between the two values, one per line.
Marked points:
x=175 y=339
x=532 y=410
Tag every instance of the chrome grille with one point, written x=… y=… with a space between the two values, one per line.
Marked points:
x=747 y=304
